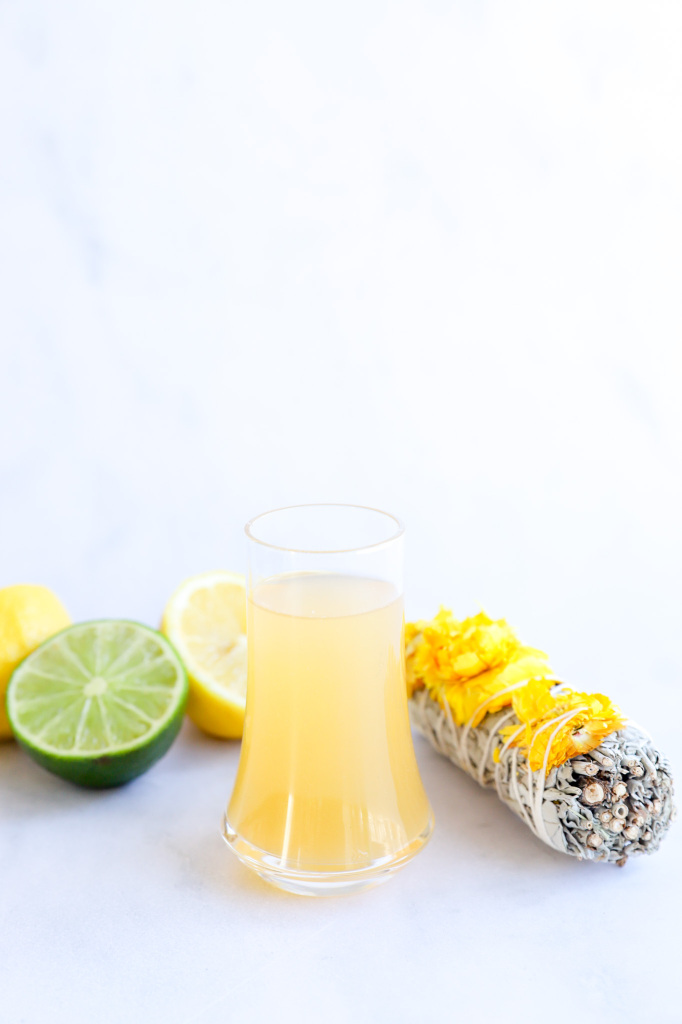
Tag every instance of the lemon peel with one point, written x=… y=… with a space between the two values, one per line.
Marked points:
x=29 y=615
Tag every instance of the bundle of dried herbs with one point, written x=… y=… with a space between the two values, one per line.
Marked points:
x=584 y=780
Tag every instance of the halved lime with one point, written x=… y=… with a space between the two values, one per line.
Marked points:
x=100 y=702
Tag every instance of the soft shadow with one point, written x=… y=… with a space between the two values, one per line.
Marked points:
x=472 y=828
x=475 y=826
x=30 y=791
x=204 y=863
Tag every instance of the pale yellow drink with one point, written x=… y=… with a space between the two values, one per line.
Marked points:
x=328 y=778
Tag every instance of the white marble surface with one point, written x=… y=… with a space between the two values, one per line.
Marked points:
x=127 y=906
x=421 y=255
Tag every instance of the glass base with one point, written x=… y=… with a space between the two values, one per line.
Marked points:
x=321 y=883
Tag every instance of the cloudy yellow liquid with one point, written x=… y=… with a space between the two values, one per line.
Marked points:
x=327 y=778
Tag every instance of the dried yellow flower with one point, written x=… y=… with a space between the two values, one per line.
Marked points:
x=560 y=723
x=471 y=664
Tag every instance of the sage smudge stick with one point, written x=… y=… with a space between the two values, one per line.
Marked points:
x=582 y=778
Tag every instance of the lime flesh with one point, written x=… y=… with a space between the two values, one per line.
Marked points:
x=100 y=702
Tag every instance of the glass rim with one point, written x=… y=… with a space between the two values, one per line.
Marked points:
x=248 y=529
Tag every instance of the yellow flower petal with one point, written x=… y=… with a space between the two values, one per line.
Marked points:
x=565 y=721
x=478 y=666
x=471 y=664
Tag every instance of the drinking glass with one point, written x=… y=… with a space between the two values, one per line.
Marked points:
x=328 y=797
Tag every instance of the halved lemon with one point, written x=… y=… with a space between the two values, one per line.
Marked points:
x=205 y=620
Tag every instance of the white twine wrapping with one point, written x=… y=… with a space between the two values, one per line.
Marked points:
x=535 y=796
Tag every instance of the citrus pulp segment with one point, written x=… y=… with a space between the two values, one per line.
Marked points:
x=99 y=702
x=206 y=621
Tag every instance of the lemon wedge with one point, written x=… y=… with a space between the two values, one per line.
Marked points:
x=205 y=620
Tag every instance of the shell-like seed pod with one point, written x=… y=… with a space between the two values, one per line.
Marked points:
x=594 y=840
x=631 y=832
x=615 y=825
x=584 y=768
x=593 y=793
x=620 y=810
x=619 y=791
x=638 y=820
x=605 y=816
x=647 y=836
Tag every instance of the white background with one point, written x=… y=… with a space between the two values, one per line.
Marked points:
x=422 y=255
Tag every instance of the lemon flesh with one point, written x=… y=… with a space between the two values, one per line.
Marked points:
x=205 y=620
x=29 y=614
x=100 y=702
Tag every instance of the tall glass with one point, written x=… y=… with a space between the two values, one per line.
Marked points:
x=328 y=797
